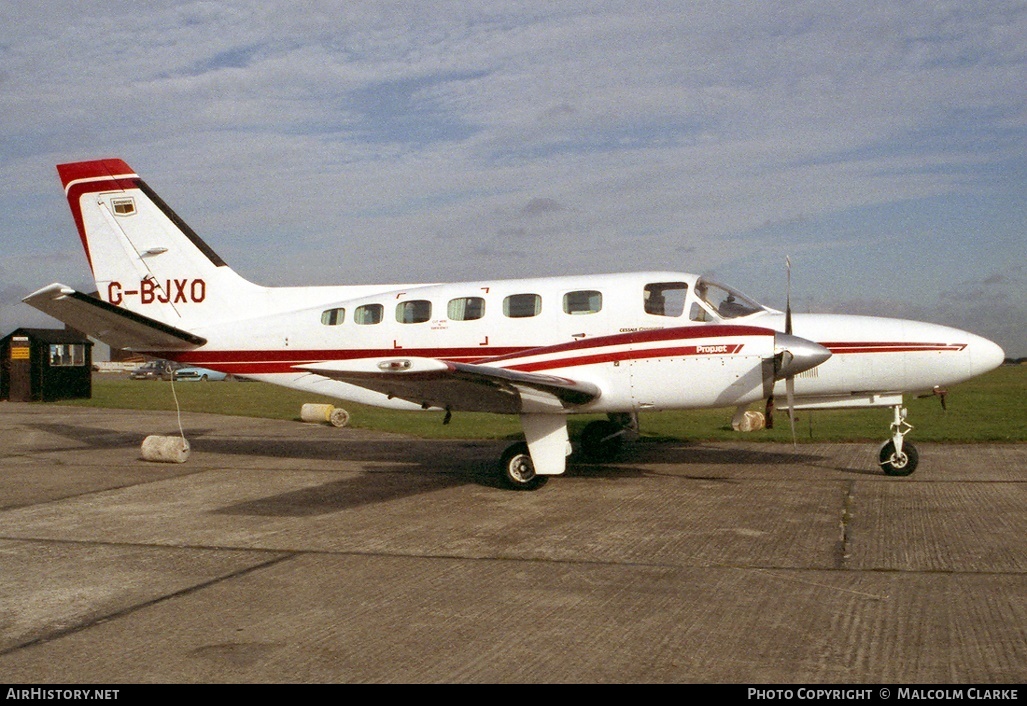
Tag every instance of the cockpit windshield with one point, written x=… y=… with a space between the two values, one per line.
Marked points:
x=726 y=302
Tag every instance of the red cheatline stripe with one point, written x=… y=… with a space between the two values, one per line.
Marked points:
x=591 y=353
x=466 y=354
x=294 y=357
x=254 y=362
x=637 y=337
x=283 y=361
x=613 y=356
x=889 y=347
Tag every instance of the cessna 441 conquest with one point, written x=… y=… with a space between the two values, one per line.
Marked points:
x=542 y=348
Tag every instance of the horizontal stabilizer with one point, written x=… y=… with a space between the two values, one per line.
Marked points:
x=460 y=386
x=117 y=327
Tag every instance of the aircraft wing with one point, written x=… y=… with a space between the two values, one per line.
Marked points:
x=460 y=386
x=113 y=325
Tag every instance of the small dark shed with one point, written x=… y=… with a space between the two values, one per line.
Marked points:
x=38 y=364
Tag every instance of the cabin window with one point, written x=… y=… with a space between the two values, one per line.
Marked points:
x=368 y=314
x=67 y=354
x=583 y=302
x=416 y=311
x=466 y=309
x=665 y=298
x=520 y=306
x=333 y=317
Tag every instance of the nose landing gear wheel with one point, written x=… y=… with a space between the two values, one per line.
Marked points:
x=899 y=464
x=519 y=471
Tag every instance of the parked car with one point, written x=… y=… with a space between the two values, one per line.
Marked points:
x=154 y=370
x=202 y=374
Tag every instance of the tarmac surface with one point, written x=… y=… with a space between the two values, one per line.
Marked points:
x=287 y=552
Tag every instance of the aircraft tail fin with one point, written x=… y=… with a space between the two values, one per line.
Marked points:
x=143 y=256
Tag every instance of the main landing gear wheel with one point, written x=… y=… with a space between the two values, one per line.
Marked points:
x=601 y=440
x=899 y=464
x=518 y=469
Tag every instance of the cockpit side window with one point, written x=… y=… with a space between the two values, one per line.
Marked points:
x=726 y=303
x=665 y=298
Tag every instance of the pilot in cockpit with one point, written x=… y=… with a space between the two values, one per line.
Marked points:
x=730 y=308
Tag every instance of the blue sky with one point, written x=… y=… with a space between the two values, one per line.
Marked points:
x=880 y=145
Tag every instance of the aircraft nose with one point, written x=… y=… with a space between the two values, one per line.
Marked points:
x=985 y=355
x=794 y=355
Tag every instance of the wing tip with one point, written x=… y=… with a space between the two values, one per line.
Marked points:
x=50 y=291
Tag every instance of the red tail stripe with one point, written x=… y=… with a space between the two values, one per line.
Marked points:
x=103 y=172
x=92 y=170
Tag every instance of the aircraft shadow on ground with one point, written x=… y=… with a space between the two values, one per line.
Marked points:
x=440 y=454
x=345 y=494
x=415 y=466
x=92 y=437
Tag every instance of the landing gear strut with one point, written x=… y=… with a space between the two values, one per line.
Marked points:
x=601 y=440
x=898 y=458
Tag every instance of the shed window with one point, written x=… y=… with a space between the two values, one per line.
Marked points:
x=519 y=306
x=67 y=354
x=368 y=314
x=416 y=311
x=333 y=317
x=583 y=302
x=466 y=309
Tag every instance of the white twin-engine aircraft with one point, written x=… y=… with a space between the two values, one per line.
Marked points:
x=539 y=348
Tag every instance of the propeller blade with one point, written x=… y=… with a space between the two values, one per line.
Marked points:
x=788 y=297
x=811 y=354
x=790 y=388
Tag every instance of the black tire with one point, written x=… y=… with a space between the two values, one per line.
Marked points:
x=518 y=471
x=601 y=440
x=904 y=464
x=203 y=378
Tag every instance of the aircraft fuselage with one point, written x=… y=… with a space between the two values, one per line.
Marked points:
x=597 y=317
